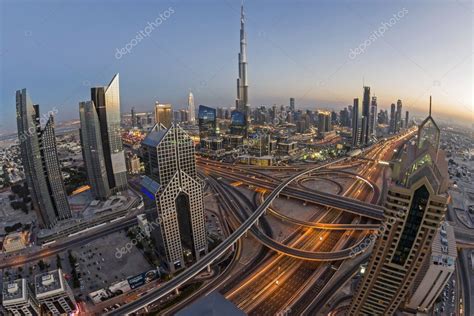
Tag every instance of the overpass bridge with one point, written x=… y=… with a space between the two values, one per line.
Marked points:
x=209 y=258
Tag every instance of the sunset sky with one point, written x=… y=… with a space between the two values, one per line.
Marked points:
x=301 y=49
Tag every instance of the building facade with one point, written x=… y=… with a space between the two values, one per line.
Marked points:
x=163 y=114
x=40 y=162
x=414 y=208
x=92 y=150
x=171 y=179
x=107 y=104
x=191 y=109
x=54 y=294
x=242 y=104
x=18 y=299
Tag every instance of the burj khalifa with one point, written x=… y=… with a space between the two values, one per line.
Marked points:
x=241 y=103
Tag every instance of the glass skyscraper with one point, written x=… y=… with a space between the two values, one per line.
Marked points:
x=107 y=103
x=92 y=150
x=40 y=162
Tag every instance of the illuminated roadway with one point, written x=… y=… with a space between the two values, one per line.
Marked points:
x=209 y=258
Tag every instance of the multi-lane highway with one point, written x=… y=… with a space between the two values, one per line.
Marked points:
x=193 y=270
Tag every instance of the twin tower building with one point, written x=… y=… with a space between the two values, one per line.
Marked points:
x=168 y=155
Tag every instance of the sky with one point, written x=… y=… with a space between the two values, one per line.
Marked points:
x=319 y=52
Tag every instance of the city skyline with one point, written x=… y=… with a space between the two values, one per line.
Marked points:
x=318 y=76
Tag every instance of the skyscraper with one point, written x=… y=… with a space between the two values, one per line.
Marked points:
x=407 y=117
x=365 y=116
x=241 y=103
x=92 y=150
x=191 y=109
x=292 y=104
x=54 y=293
x=393 y=121
x=19 y=299
x=163 y=114
x=207 y=120
x=134 y=118
x=398 y=116
x=171 y=179
x=414 y=207
x=373 y=116
x=107 y=103
x=324 y=123
x=356 y=124
x=40 y=162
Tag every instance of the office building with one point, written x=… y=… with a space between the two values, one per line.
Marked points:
x=373 y=117
x=163 y=114
x=398 y=117
x=107 y=104
x=54 y=294
x=171 y=180
x=92 y=150
x=292 y=104
x=407 y=119
x=133 y=118
x=207 y=121
x=324 y=123
x=191 y=109
x=133 y=163
x=241 y=103
x=435 y=273
x=40 y=162
x=393 y=122
x=414 y=207
x=365 y=116
x=238 y=124
x=18 y=299
x=356 y=124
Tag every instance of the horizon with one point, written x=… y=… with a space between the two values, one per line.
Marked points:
x=418 y=55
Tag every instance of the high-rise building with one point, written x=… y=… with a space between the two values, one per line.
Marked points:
x=54 y=294
x=324 y=123
x=292 y=104
x=107 y=104
x=163 y=114
x=373 y=116
x=414 y=207
x=398 y=117
x=241 y=103
x=238 y=123
x=356 y=124
x=134 y=118
x=171 y=179
x=435 y=273
x=393 y=121
x=92 y=150
x=18 y=299
x=365 y=116
x=191 y=109
x=407 y=119
x=40 y=162
x=207 y=121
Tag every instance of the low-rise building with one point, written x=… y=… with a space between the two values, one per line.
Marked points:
x=18 y=299
x=53 y=292
x=14 y=242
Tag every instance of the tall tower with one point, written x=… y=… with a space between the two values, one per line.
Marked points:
x=241 y=103
x=414 y=208
x=356 y=123
x=172 y=181
x=107 y=103
x=393 y=121
x=398 y=116
x=191 y=109
x=365 y=115
x=92 y=150
x=373 y=116
x=40 y=162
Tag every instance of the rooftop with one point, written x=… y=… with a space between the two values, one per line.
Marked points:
x=14 y=292
x=49 y=283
